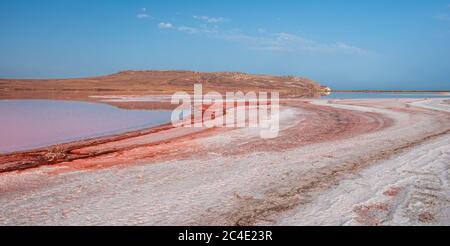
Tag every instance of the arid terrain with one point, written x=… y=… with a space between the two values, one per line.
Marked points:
x=335 y=162
x=154 y=83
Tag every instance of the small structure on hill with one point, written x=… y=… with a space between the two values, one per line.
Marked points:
x=325 y=90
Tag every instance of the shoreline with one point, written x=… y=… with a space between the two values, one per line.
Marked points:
x=70 y=151
x=14 y=161
x=231 y=176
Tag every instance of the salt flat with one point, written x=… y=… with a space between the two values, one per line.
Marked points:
x=336 y=162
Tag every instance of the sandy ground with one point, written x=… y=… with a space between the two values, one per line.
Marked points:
x=336 y=162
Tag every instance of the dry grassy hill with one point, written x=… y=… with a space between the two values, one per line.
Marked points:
x=154 y=83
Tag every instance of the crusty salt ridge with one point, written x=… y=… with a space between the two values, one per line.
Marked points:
x=437 y=104
x=288 y=180
x=410 y=189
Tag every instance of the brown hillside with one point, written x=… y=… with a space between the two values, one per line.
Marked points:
x=154 y=83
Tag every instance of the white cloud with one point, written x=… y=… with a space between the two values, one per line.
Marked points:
x=261 y=30
x=349 y=49
x=163 y=25
x=287 y=42
x=265 y=40
x=142 y=16
x=210 y=19
x=187 y=29
x=202 y=29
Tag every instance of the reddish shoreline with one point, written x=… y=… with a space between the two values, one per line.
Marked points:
x=88 y=149
x=37 y=157
x=157 y=143
x=178 y=176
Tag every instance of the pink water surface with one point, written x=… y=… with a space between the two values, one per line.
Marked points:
x=28 y=124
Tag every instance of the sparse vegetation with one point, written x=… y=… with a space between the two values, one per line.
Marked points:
x=55 y=153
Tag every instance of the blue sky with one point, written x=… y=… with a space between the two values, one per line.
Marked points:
x=345 y=44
